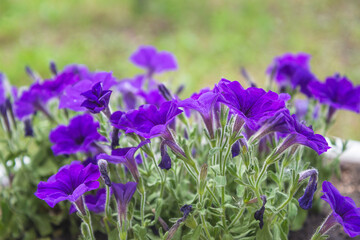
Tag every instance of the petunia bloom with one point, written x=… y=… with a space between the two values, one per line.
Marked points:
x=32 y=100
x=301 y=135
x=292 y=70
x=96 y=99
x=252 y=105
x=69 y=183
x=72 y=98
x=337 y=92
x=344 y=211
x=149 y=121
x=123 y=194
x=78 y=136
x=95 y=203
x=153 y=61
x=125 y=156
x=203 y=103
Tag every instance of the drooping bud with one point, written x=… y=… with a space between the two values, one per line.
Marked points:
x=165 y=158
x=186 y=209
x=180 y=89
x=165 y=92
x=103 y=171
x=305 y=201
x=259 y=214
x=9 y=108
x=31 y=73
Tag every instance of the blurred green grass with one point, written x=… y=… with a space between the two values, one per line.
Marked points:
x=211 y=39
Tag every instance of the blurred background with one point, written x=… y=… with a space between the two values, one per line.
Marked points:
x=211 y=39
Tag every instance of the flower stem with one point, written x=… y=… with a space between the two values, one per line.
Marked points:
x=240 y=213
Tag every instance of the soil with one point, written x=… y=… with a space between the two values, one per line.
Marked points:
x=348 y=185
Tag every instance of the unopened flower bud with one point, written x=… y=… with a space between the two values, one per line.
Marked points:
x=202 y=180
x=53 y=68
x=165 y=158
x=259 y=214
x=103 y=171
x=165 y=92
x=305 y=201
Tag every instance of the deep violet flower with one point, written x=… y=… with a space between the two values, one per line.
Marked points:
x=252 y=105
x=152 y=97
x=70 y=75
x=69 y=183
x=129 y=89
x=292 y=70
x=123 y=194
x=305 y=201
x=78 y=136
x=72 y=98
x=149 y=121
x=95 y=203
x=96 y=99
x=203 y=103
x=153 y=61
x=344 y=211
x=125 y=156
x=337 y=92
x=301 y=106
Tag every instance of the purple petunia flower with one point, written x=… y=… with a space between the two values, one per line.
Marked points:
x=69 y=183
x=203 y=103
x=149 y=121
x=97 y=99
x=95 y=203
x=153 y=61
x=125 y=156
x=78 y=136
x=344 y=211
x=32 y=100
x=72 y=98
x=152 y=97
x=123 y=194
x=337 y=92
x=252 y=105
x=292 y=70
x=68 y=77
x=129 y=89
x=301 y=106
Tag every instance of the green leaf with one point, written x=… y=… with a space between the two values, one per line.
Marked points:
x=220 y=181
x=213 y=151
x=265 y=233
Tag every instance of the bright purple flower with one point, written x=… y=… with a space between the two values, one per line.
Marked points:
x=78 y=136
x=305 y=201
x=123 y=194
x=125 y=156
x=72 y=98
x=337 y=92
x=32 y=100
x=344 y=209
x=149 y=121
x=292 y=70
x=153 y=61
x=68 y=77
x=97 y=99
x=95 y=203
x=69 y=183
x=252 y=105
x=203 y=103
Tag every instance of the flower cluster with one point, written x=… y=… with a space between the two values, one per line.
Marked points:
x=252 y=145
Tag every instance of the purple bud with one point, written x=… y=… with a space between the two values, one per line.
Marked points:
x=53 y=68
x=180 y=89
x=165 y=158
x=305 y=201
x=31 y=73
x=247 y=77
x=165 y=92
x=186 y=209
x=29 y=132
x=259 y=214
x=115 y=138
x=235 y=149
